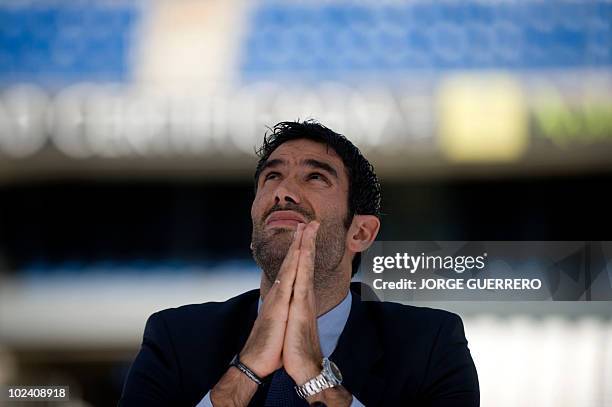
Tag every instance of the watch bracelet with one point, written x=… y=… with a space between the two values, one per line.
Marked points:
x=308 y=389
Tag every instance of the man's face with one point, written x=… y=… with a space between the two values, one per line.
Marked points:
x=302 y=181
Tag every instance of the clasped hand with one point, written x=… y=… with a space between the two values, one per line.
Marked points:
x=285 y=331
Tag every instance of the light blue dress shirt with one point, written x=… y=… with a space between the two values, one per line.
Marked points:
x=330 y=326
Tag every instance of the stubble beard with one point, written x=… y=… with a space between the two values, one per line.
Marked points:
x=270 y=248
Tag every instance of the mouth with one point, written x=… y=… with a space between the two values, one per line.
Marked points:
x=284 y=219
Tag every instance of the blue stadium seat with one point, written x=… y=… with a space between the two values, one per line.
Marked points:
x=329 y=40
x=50 y=42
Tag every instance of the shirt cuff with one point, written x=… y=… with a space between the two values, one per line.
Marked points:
x=205 y=402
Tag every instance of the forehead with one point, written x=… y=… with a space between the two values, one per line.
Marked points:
x=295 y=151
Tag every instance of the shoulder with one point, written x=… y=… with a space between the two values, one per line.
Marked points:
x=216 y=325
x=396 y=318
x=410 y=313
x=400 y=320
x=207 y=313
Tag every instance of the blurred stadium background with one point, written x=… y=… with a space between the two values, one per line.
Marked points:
x=127 y=131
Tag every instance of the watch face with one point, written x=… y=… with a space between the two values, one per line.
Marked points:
x=333 y=370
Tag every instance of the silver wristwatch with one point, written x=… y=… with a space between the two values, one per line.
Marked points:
x=330 y=376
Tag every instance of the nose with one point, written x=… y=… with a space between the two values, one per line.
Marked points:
x=286 y=191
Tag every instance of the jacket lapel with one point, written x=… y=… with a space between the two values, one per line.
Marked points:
x=357 y=353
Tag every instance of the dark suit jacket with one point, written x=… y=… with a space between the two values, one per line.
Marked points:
x=389 y=354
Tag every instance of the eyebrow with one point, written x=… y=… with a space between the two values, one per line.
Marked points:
x=322 y=166
x=309 y=162
x=272 y=163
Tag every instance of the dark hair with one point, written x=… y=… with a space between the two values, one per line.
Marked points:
x=364 y=197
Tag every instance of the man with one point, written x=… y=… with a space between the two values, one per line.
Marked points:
x=304 y=337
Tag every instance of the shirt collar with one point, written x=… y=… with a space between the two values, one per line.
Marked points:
x=331 y=324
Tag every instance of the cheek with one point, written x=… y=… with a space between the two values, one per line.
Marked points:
x=339 y=204
x=332 y=211
x=262 y=202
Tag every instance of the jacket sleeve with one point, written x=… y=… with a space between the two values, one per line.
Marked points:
x=153 y=378
x=451 y=376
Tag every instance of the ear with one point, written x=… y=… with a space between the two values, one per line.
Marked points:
x=362 y=232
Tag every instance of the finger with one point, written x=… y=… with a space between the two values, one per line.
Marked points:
x=285 y=278
x=289 y=266
x=304 y=279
